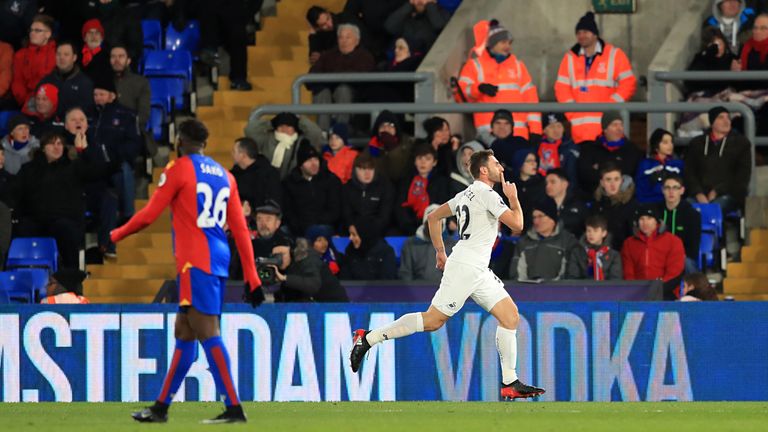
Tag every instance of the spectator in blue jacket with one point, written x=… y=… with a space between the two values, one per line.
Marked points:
x=653 y=170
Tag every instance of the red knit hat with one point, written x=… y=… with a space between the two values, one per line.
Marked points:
x=51 y=92
x=93 y=24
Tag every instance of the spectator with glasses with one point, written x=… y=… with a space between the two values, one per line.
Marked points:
x=32 y=63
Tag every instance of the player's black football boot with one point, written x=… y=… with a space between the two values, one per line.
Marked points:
x=233 y=414
x=360 y=346
x=518 y=390
x=157 y=413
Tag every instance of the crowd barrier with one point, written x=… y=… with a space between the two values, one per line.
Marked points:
x=609 y=351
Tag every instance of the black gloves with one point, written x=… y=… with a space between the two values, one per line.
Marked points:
x=253 y=296
x=488 y=89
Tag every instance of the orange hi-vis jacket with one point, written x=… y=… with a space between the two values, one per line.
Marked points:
x=609 y=79
x=512 y=78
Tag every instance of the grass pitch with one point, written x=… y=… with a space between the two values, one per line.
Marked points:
x=401 y=416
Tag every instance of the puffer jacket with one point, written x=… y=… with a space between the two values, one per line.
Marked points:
x=544 y=258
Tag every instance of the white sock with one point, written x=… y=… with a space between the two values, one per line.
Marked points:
x=506 y=344
x=406 y=325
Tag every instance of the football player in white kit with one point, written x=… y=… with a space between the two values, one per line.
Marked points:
x=466 y=274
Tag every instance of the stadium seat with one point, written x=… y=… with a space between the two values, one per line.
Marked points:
x=168 y=64
x=168 y=93
x=4 y=117
x=156 y=120
x=18 y=286
x=153 y=34
x=340 y=243
x=4 y=298
x=188 y=39
x=711 y=218
x=706 y=250
x=39 y=279
x=33 y=252
x=397 y=243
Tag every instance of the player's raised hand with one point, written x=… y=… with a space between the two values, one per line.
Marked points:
x=509 y=189
x=440 y=258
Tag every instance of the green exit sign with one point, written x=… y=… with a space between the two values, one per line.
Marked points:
x=614 y=6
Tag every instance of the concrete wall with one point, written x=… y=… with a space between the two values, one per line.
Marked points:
x=544 y=30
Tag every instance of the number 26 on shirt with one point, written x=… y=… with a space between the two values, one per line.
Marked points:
x=214 y=212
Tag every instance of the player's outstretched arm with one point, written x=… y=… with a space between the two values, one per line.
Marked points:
x=236 y=221
x=436 y=233
x=513 y=218
x=167 y=188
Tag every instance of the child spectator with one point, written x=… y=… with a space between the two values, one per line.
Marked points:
x=338 y=154
x=320 y=240
x=614 y=200
x=682 y=220
x=415 y=194
x=556 y=149
x=594 y=258
x=18 y=145
x=570 y=208
x=653 y=170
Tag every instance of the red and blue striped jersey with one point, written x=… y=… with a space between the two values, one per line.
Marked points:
x=204 y=199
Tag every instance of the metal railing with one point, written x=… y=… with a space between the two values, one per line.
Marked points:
x=423 y=84
x=657 y=92
x=468 y=108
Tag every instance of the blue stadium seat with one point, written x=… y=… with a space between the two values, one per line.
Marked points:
x=706 y=250
x=188 y=39
x=4 y=117
x=18 y=286
x=157 y=120
x=397 y=243
x=33 y=252
x=340 y=243
x=4 y=298
x=711 y=218
x=169 y=64
x=153 y=34
x=39 y=280
x=168 y=93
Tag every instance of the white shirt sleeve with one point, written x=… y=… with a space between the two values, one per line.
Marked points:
x=453 y=203
x=494 y=203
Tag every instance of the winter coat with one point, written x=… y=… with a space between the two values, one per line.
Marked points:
x=115 y=127
x=542 y=258
x=726 y=168
x=39 y=127
x=529 y=193
x=707 y=60
x=310 y=280
x=379 y=263
x=650 y=177
x=505 y=149
x=30 y=65
x=423 y=28
x=572 y=213
x=6 y=70
x=14 y=159
x=594 y=155
x=341 y=163
x=258 y=182
x=16 y=18
x=738 y=31
x=660 y=256
x=685 y=222
x=133 y=92
x=372 y=202
x=315 y=201
x=579 y=261
x=619 y=211
x=75 y=89
x=260 y=130
x=417 y=259
x=359 y=60
x=406 y=219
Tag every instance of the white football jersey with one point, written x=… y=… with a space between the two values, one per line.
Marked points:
x=477 y=210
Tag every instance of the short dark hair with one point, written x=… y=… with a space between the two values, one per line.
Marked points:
x=364 y=160
x=423 y=150
x=477 y=160
x=597 y=221
x=193 y=132
x=701 y=286
x=676 y=177
x=249 y=146
x=121 y=46
x=609 y=166
x=50 y=138
x=45 y=20
x=558 y=172
x=313 y=13
x=69 y=42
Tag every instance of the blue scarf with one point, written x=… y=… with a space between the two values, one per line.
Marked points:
x=18 y=145
x=498 y=57
x=611 y=145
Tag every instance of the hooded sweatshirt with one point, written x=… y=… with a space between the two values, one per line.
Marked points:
x=460 y=177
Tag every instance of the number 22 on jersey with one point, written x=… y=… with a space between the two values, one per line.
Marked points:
x=214 y=212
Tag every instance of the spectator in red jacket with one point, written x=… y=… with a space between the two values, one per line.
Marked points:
x=6 y=75
x=32 y=63
x=652 y=253
x=339 y=155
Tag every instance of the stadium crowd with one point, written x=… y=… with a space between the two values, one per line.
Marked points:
x=596 y=205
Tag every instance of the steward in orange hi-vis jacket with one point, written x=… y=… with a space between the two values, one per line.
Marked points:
x=493 y=75
x=604 y=76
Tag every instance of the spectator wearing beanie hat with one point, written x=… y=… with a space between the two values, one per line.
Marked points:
x=42 y=114
x=19 y=144
x=542 y=252
x=611 y=146
x=278 y=138
x=338 y=154
x=592 y=71
x=503 y=143
x=652 y=252
x=557 y=149
x=311 y=194
x=95 y=53
x=75 y=87
x=493 y=74
x=653 y=170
